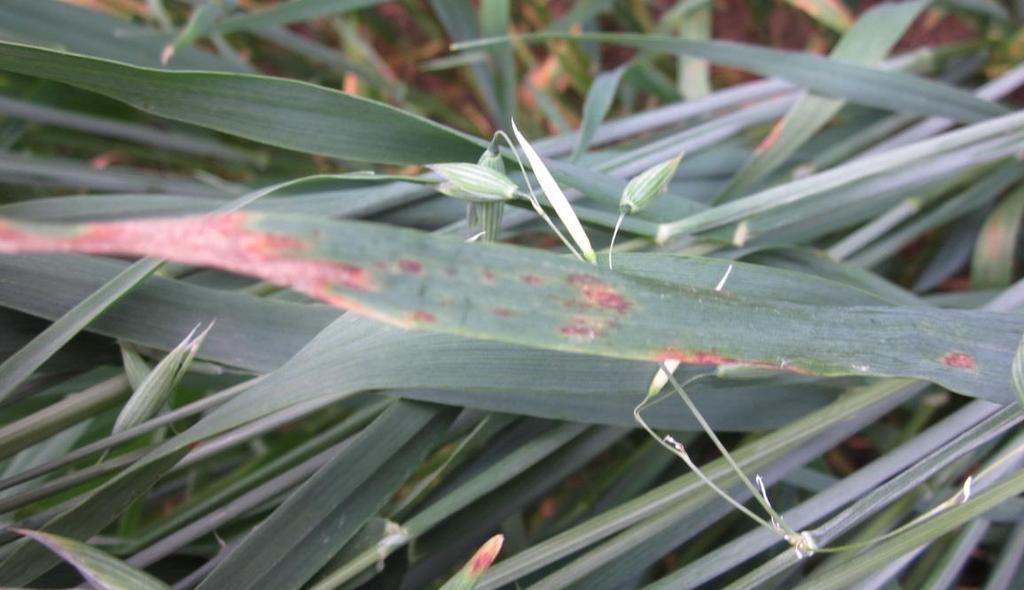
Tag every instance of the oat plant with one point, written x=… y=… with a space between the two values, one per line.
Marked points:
x=458 y=313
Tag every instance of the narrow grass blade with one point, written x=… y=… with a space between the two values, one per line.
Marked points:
x=34 y=170
x=995 y=251
x=106 y=127
x=19 y=366
x=1009 y=126
x=39 y=456
x=864 y=85
x=34 y=428
x=53 y=23
x=688 y=491
x=832 y=13
x=495 y=21
x=693 y=75
x=556 y=197
x=870 y=561
x=975 y=196
x=27 y=562
x=1018 y=371
x=870 y=39
x=303 y=534
x=200 y=23
x=289 y=12
x=596 y=106
x=459 y=22
x=101 y=569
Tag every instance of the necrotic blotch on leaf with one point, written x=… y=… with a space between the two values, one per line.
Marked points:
x=422 y=316
x=595 y=293
x=693 y=358
x=958 y=360
x=229 y=241
x=532 y=279
x=409 y=265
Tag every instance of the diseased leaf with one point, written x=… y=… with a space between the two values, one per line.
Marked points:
x=408 y=279
x=546 y=384
x=467 y=577
x=432 y=393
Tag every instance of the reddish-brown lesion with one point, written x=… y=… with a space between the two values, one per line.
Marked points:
x=14 y=239
x=697 y=357
x=579 y=331
x=705 y=357
x=422 y=317
x=586 y=327
x=503 y=312
x=410 y=266
x=488 y=276
x=532 y=279
x=327 y=295
x=596 y=293
x=958 y=360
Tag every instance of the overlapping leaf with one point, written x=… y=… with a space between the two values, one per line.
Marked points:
x=275 y=111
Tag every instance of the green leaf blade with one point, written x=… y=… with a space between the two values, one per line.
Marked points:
x=284 y=113
x=99 y=568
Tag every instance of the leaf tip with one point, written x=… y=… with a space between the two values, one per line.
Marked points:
x=486 y=555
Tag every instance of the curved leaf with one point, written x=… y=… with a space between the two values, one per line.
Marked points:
x=101 y=570
x=285 y=113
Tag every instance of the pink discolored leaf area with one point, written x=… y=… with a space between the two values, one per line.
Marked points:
x=539 y=299
x=468 y=576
